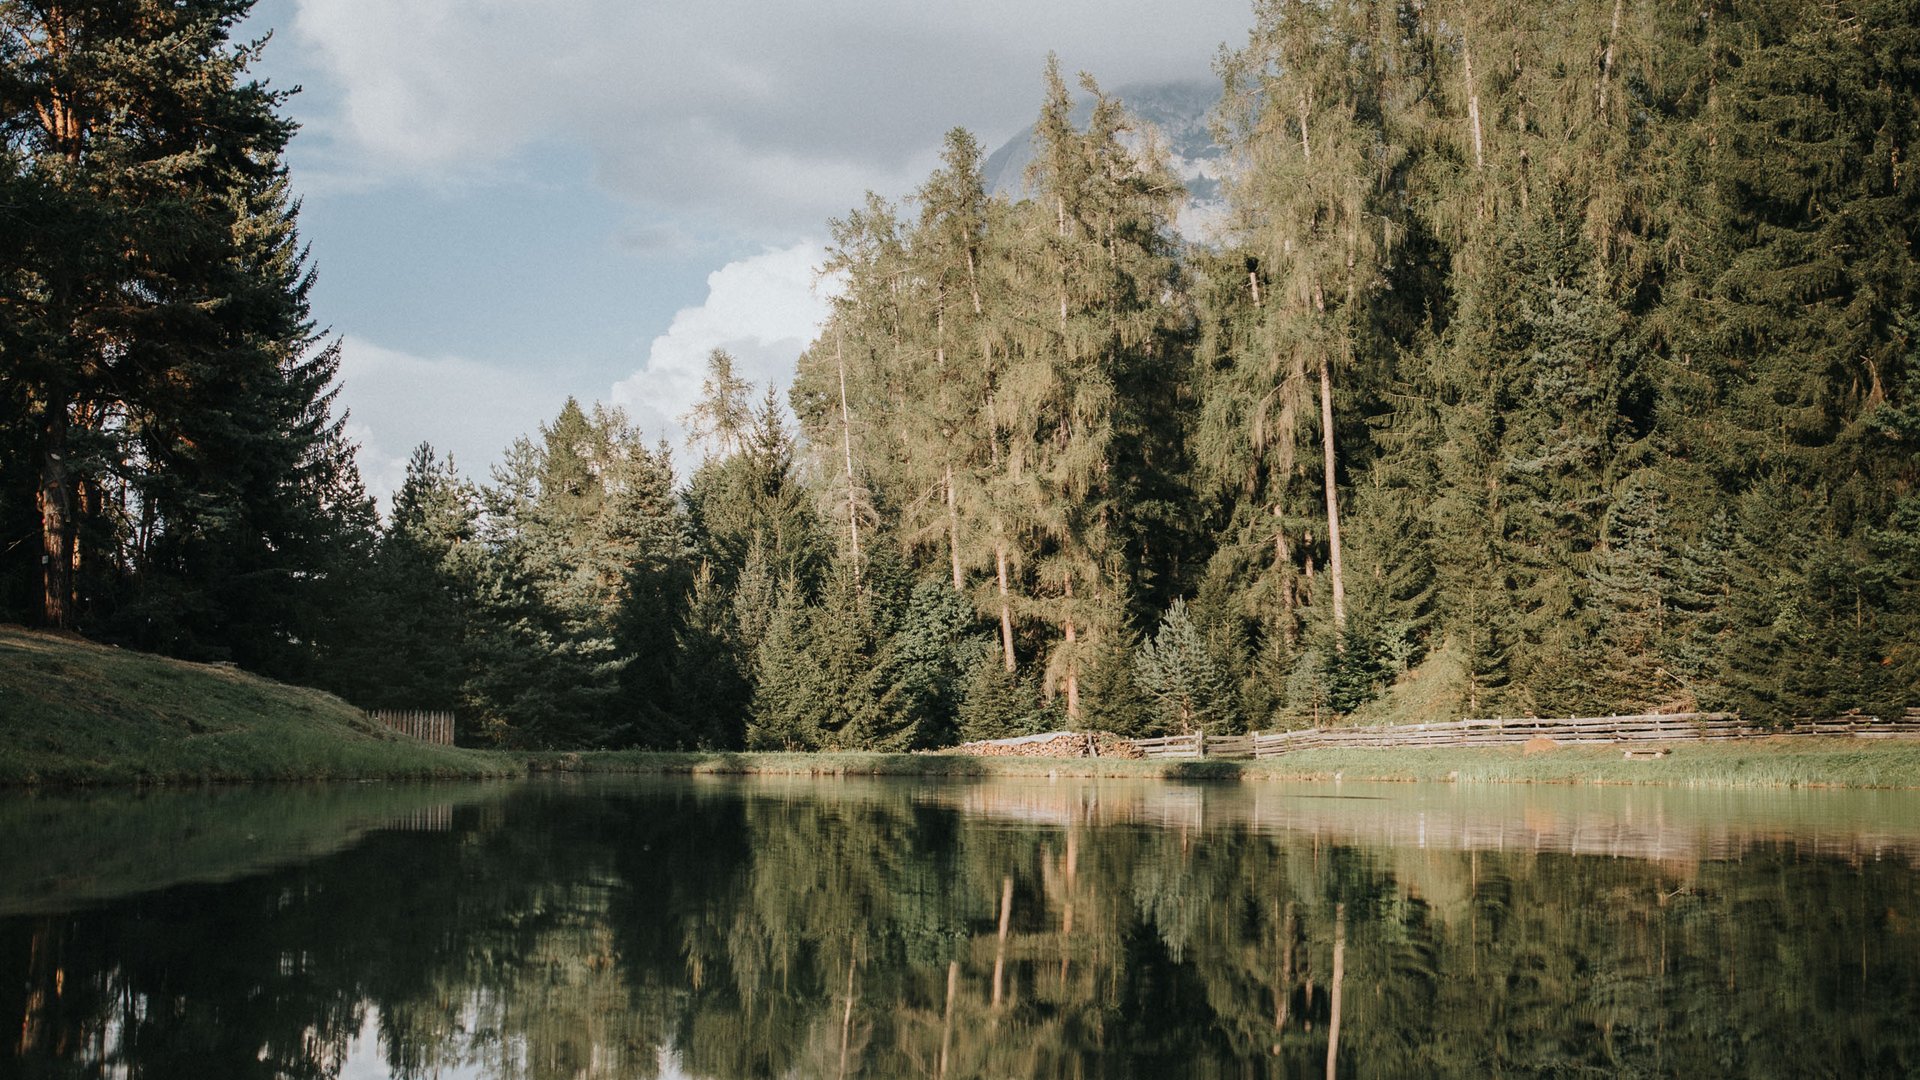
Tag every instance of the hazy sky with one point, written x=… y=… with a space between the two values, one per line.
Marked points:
x=511 y=201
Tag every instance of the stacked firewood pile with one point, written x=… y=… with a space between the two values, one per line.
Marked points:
x=1054 y=744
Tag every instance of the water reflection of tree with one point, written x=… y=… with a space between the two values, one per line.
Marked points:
x=783 y=935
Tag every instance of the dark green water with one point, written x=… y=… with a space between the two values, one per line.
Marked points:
x=770 y=928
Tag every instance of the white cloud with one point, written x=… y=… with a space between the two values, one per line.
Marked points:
x=764 y=310
x=747 y=112
x=397 y=400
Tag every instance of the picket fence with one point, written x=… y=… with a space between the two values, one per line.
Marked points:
x=422 y=724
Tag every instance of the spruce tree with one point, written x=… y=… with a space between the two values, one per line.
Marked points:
x=1177 y=669
x=176 y=400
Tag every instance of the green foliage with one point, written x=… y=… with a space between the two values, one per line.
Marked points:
x=1177 y=669
x=996 y=703
x=168 y=438
x=930 y=653
x=401 y=644
x=1552 y=360
x=828 y=676
x=581 y=544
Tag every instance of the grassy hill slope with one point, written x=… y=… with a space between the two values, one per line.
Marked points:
x=73 y=712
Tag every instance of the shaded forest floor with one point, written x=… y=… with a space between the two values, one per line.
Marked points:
x=73 y=712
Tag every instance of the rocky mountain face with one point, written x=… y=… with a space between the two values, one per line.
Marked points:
x=1178 y=111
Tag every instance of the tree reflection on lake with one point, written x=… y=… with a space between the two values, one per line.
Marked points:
x=763 y=928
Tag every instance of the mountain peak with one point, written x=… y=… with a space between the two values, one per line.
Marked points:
x=1179 y=111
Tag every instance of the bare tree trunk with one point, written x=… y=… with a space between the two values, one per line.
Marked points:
x=58 y=526
x=1073 y=661
x=1606 y=61
x=1060 y=210
x=1333 y=499
x=846 y=1019
x=1066 y=914
x=846 y=442
x=953 y=534
x=1006 y=606
x=1283 y=995
x=1473 y=101
x=1306 y=147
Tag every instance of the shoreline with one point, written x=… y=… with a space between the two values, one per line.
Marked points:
x=1803 y=764
x=75 y=715
x=1762 y=763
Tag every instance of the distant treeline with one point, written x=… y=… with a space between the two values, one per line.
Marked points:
x=1558 y=359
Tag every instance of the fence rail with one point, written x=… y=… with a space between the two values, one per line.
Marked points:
x=1649 y=727
x=422 y=724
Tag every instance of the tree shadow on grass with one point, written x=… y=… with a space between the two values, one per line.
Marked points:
x=1203 y=769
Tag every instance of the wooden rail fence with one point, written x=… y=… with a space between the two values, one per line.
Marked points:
x=1650 y=727
x=427 y=726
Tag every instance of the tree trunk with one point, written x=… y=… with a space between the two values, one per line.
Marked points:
x=846 y=1019
x=1006 y=606
x=1473 y=101
x=1283 y=995
x=953 y=534
x=1333 y=499
x=1073 y=661
x=946 y=1025
x=1606 y=62
x=58 y=527
x=846 y=442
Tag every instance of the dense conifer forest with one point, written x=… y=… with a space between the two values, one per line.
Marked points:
x=1557 y=359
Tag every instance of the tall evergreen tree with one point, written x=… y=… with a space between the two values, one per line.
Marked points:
x=175 y=403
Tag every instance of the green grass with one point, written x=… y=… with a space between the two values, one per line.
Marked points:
x=73 y=712
x=1797 y=762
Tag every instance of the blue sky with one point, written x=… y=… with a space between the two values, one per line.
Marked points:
x=510 y=202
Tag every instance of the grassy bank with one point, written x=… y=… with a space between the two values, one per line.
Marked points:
x=72 y=712
x=1798 y=762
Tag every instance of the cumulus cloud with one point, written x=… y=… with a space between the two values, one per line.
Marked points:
x=763 y=310
x=472 y=410
x=752 y=113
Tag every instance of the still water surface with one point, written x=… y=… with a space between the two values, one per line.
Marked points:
x=675 y=927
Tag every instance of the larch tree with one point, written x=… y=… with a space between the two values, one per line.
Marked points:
x=1099 y=256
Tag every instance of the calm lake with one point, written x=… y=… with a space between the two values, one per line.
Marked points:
x=772 y=927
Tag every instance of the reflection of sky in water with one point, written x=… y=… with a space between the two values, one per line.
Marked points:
x=367 y=1060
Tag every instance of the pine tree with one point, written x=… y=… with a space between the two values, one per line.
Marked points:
x=157 y=329
x=1178 y=671
x=789 y=683
x=583 y=543
x=754 y=496
x=930 y=652
x=402 y=641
